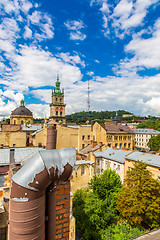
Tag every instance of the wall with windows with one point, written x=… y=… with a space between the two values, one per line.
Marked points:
x=84 y=136
x=104 y=163
x=20 y=119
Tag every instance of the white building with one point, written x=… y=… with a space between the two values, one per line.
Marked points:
x=142 y=136
x=110 y=158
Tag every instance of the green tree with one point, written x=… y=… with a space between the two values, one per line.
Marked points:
x=121 y=231
x=154 y=143
x=139 y=201
x=95 y=209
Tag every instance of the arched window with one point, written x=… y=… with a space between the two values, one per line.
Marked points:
x=82 y=170
x=61 y=111
x=57 y=111
x=21 y=122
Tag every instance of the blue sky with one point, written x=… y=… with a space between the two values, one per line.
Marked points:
x=114 y=44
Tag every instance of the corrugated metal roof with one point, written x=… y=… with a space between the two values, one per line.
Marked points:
x=112 y=154
x=149 y=159
x=146 y=131
x=21 y=154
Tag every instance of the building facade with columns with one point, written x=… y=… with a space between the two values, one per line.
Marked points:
x=57 y=107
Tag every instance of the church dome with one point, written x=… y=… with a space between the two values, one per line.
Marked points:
x=22 y=110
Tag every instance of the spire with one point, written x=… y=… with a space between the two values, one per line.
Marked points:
x=22 y=103
x=58 y=84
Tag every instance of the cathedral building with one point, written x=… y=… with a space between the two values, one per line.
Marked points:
x=57 y=107
x=21 y=115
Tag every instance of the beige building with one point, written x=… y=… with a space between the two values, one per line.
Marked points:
x=73 y=136
x=113 y=135
x=82 y=174
x=12 y=136
x=21 y=115
x=57 y=107
x=152 y=161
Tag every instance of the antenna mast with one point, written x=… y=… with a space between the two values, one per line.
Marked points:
x=88 y=99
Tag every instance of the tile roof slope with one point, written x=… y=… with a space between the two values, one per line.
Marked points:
x=149 y=159
x=89 y=149
x=118 y=128
x=21 y=154
x=112 y=154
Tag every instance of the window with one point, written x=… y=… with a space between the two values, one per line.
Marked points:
x=14 y=121
x=21 y=122
x=115 y=138
x=60 y=99
x=114 y=166
x=83 y=145
x=60 y=113
x=124 y=145
x=56 y=99
x=57 y=113
x=14 y=145
x=83 y=137
x=118 y=167
x=116 y=144
x=98 y=161
x=120 y=145
x=82 y=170
x=129 y=145
x=88 y=137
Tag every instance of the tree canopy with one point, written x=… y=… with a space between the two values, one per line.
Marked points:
x=139 y=201
x=154 y=143
x=150 y=124
x=94 y=209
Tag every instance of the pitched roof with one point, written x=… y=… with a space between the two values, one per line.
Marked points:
x=149 y=159
x=112 y=154
x=89 y=149
x=114 y=128
x=146 y=131
x=21 y=154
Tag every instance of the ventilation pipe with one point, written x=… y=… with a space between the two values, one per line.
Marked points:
x=27 y=200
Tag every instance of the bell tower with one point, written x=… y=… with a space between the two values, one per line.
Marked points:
x=57 y=107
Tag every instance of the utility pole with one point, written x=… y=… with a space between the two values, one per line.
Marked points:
x=88 y=99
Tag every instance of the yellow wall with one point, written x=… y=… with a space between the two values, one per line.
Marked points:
x=84 y=137
x=40 y=138
x=120 y=140
x=19 y=118
x=130 y=163
x=81 y=181
x=8 y=139
x=66 y=137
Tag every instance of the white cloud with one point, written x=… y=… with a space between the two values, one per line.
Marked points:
x=75 y=29
x=125 y=16
x=75 y=59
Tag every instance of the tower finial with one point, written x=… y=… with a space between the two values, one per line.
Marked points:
x=22 y=103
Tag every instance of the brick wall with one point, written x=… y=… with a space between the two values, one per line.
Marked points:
x=63 y=210
x=11 y=128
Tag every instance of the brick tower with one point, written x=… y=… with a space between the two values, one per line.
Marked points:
x=57 y=107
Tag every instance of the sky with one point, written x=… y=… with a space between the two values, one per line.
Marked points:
x=113 y=44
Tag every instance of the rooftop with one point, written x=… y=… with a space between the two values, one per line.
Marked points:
x=21 y=154
x=146 y=131
x=149 y=159
x=114 y=128
x=112 y=154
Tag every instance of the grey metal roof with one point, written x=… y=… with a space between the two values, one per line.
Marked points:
x=34 y=133
x=149 y=159
x=75 y=127
x=146 y=131
x=112 y=154
x=21 y=154
x=31 y=128
x=80 y=162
